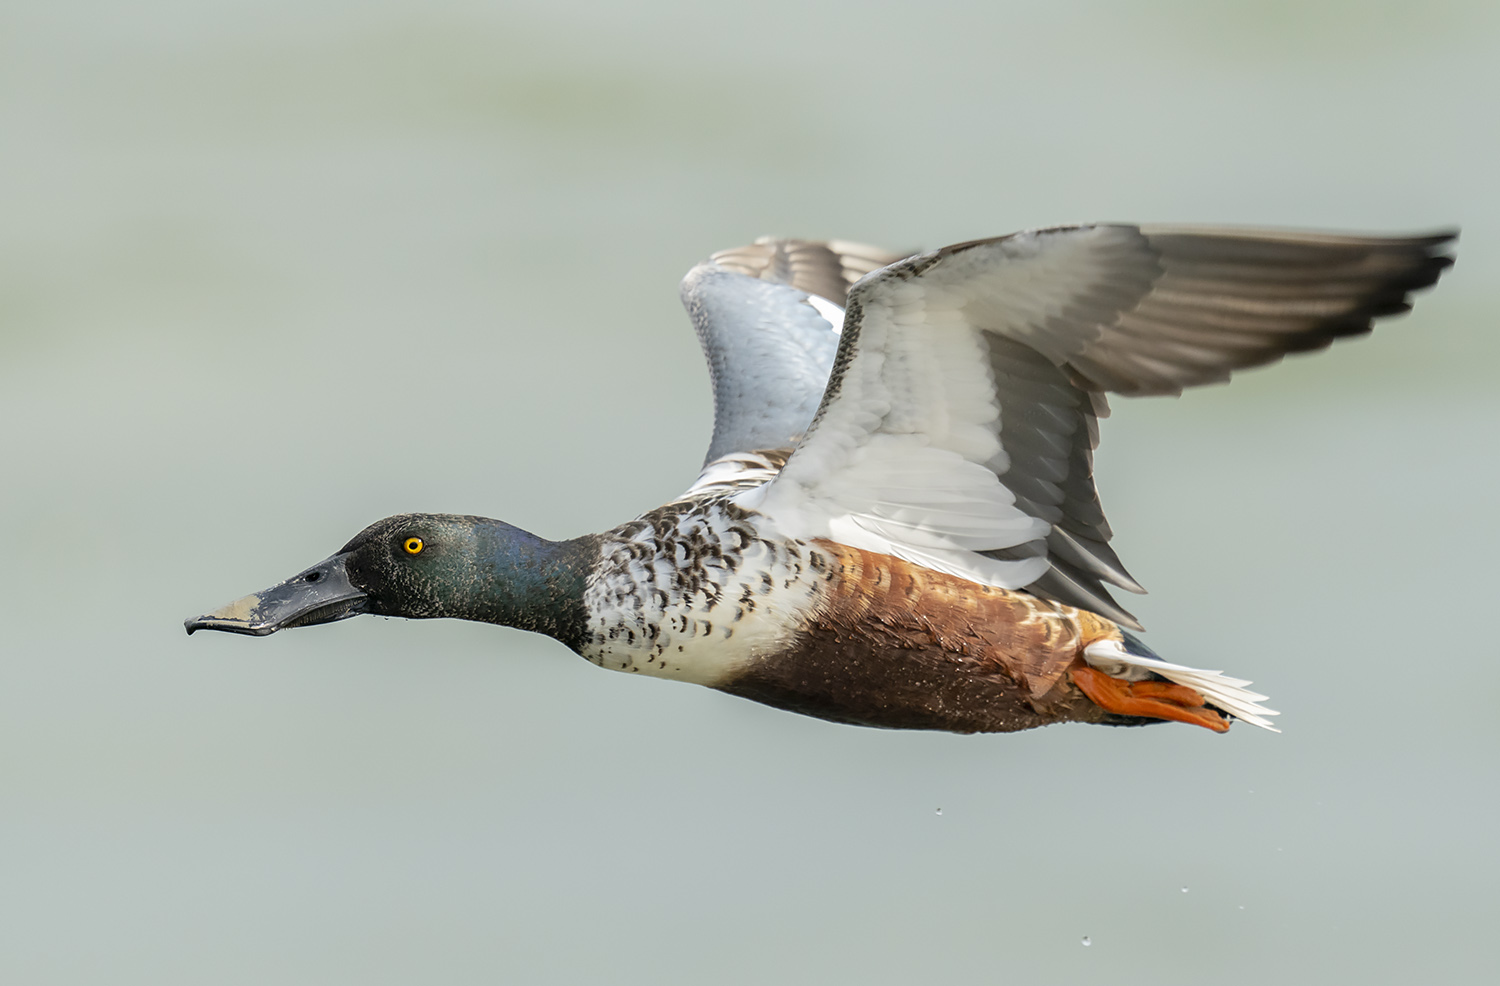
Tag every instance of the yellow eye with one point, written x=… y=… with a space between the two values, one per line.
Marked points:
x=413 y=546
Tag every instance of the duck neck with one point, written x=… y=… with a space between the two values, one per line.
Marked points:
x=528 y=582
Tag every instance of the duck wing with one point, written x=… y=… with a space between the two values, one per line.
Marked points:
x=768 y=318
x=960 y=420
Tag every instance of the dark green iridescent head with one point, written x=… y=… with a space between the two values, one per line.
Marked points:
x=425 y=566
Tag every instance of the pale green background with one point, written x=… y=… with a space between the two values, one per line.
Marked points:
x=271 y=270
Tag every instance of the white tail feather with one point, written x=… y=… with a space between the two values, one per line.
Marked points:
x=1217 y=689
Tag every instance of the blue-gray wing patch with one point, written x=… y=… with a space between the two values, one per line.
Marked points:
x=768 y=316
x=769 y=354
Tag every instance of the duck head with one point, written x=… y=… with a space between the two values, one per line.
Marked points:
x=425 y=566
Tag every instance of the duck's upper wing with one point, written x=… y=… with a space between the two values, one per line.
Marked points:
x=768 y=317
x=958 y=427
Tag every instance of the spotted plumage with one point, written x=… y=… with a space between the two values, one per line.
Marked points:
x=693 y=591
x=896 y=524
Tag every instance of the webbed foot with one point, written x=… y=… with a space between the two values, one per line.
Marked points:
x=1148 y=699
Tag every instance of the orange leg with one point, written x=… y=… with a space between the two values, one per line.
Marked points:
x=1151 y=699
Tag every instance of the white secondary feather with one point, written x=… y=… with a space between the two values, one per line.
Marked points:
x=1217 y=689
x=833 y=313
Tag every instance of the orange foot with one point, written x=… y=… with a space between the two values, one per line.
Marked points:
x=1150 y=699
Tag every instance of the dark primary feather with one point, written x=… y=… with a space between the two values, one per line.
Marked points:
x=1225 y=299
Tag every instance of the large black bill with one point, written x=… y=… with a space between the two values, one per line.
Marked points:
x=321 y=594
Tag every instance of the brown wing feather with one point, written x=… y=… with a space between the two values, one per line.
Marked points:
x=824 y=268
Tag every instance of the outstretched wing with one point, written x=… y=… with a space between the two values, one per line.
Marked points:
x=768 y=316
x=959 y=424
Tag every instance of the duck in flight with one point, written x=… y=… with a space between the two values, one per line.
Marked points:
x=896 y=524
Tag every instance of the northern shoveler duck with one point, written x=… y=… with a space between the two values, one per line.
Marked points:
x=896 y=524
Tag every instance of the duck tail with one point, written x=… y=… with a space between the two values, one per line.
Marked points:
x=1132 y=660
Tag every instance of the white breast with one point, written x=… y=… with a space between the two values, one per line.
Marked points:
x=695 y=590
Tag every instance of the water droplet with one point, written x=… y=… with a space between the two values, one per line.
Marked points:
x=1184 y=889
x=1087 y=941
x=940 y=811
x=1242 y=907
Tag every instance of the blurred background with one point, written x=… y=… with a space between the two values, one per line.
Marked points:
x=270 y=271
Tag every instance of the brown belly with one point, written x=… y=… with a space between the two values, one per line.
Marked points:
x=903 y=647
